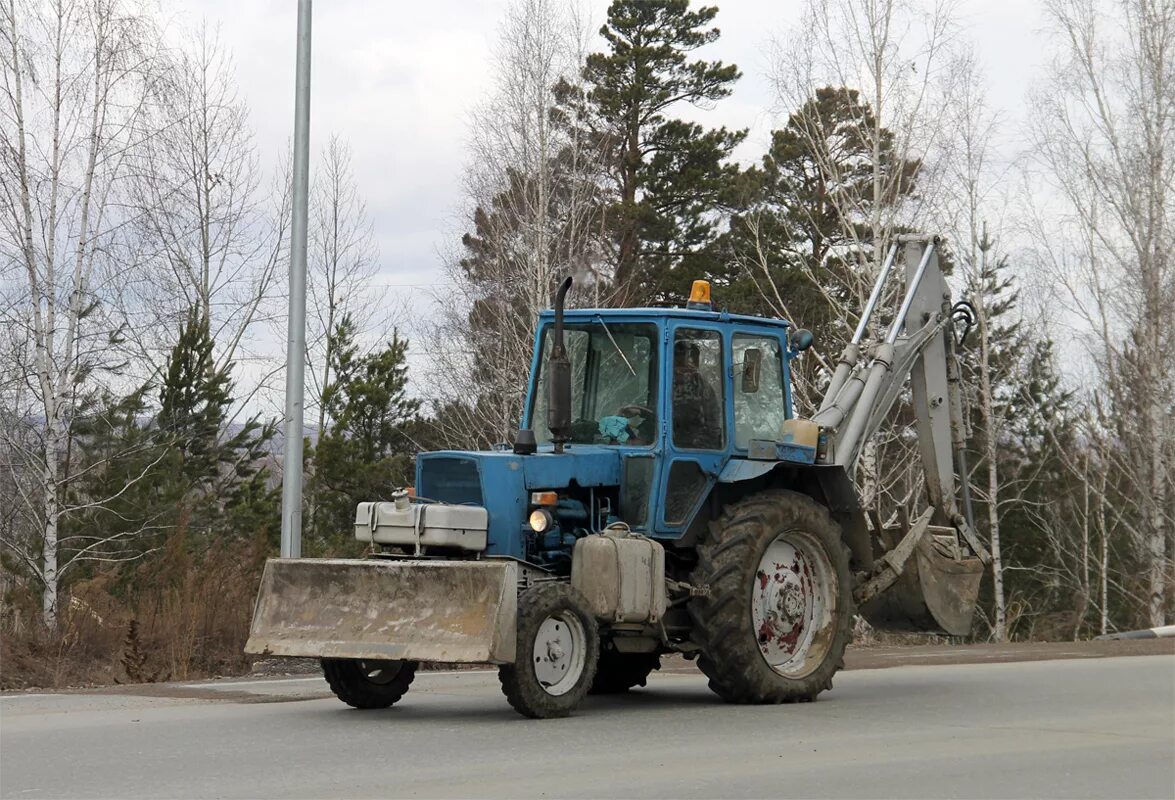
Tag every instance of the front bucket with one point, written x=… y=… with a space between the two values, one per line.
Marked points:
x=934 y=594
x=444 y=611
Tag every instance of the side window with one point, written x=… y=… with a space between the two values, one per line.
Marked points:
x=697 y=390
x=759 y=409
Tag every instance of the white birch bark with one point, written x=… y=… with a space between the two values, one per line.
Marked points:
x=539 y=234
x=73 y=78
x=1104 y=130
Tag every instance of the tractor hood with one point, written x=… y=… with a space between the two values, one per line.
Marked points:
x=502 y=483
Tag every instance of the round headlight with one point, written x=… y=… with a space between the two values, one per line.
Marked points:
x=541 y=520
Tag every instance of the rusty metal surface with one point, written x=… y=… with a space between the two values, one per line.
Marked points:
x=444 y=611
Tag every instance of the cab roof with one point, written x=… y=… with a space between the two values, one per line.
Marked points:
x=652 y=314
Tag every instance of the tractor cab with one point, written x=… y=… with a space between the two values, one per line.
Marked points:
x=676 y=394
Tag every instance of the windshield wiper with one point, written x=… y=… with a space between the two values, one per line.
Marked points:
x=618 y=350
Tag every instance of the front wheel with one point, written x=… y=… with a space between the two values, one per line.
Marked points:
x=558 y=646
x=778 y=617
x=368 y=684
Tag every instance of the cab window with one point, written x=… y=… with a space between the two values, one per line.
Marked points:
x=613 y=383
x=759 y=408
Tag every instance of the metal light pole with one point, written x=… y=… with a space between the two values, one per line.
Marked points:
x=296 y=338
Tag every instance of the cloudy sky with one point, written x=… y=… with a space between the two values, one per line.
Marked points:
x=396 y=80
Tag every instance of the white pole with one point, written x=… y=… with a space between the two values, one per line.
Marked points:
x=296 y=339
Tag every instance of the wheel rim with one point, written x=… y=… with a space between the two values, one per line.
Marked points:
x=380 y=672
x=793 y=603
x=559 y=650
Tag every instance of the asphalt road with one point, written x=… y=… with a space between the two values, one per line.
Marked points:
x=1101 y=727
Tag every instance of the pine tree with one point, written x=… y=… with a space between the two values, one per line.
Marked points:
x=804 y=213
x=120 y=463
x=145 y=477
x=670 y=176
x=368 y=451
x=212 y=473
x=800 y=231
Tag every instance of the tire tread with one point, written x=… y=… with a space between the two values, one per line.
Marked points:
x=726 y=563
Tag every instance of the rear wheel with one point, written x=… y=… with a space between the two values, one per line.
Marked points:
x=368 y=684
x=778 y=617
x=558 y=646
x=618 y=672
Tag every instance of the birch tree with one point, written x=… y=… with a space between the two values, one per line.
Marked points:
x=341 y=270
x=214 y=244
x=532 y=196
x=76 y=80
x=899 y=55
x=971 y=172
x=1104 y=134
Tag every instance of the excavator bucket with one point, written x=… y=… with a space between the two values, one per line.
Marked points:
x=936 y=592
x=443 y=611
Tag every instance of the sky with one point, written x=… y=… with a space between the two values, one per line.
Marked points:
x=397 y=80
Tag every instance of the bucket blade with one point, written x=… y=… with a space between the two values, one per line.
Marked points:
x=444 y=611
x=950 y=587
x=935 y=593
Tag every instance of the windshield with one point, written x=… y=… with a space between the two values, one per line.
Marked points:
x=613 y=383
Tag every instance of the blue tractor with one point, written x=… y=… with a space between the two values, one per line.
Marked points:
x=661 y=497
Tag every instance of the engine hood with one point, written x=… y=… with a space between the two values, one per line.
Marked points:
x=502 y=483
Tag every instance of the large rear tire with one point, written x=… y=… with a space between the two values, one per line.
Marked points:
x=778 y=616
x=368 y=684
x=558 y=647
x=617 y=672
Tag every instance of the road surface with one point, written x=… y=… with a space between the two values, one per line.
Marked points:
x=1101 y=727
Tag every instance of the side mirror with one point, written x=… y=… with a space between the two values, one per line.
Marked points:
x=800 y=340
x=752 y=369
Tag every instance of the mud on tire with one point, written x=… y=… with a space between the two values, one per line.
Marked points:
x=368 y=684
x=558 y=647
x=733 y=654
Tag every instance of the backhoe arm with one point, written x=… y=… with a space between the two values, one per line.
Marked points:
x=919 y=346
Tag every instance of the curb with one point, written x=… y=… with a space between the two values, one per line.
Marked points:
x=1164 y=632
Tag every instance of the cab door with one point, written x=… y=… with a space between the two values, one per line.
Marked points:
x=696 y=427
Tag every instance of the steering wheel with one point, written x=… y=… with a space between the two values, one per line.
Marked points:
x=633 y=410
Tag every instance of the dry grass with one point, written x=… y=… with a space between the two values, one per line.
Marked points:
x=182 y=615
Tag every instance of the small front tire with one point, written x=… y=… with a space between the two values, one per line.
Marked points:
x=558 y=647
x=368 y=684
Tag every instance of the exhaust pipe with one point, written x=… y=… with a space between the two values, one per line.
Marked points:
x=559 y=378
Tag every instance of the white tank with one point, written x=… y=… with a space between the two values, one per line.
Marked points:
x=621 y=575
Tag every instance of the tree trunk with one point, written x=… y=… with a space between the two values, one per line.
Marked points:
x=991 y=456
x=626 y=261
x=1104 y=617
x=52 y=508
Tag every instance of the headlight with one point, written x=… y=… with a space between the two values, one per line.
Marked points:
x=541 y=520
